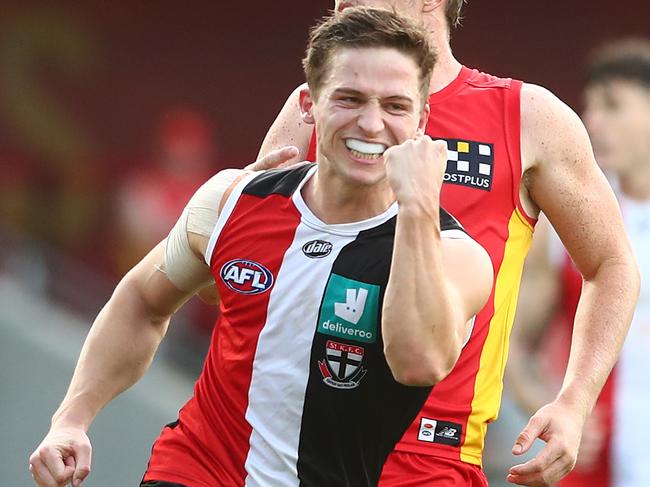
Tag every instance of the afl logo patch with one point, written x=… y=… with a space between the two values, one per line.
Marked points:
x=317 y=249
x=246 y=277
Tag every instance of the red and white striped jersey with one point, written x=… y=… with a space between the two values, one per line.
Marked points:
x=295 y=389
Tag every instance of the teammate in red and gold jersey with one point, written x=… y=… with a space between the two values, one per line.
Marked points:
x=514 y=149
x=614 y=449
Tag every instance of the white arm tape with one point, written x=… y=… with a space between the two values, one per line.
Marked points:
x=182 y=266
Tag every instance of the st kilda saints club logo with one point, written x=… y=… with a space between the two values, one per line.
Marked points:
x=246 y=276
x=342 y=367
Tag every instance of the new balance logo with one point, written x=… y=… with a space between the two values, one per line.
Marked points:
x=448 y=432
x=436 y=431
x=352 y=309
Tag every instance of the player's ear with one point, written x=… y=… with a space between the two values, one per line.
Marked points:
x=431 y=5
x=306 y=106
x=424 y=118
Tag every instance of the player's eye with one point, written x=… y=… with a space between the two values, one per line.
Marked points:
x=397 y=107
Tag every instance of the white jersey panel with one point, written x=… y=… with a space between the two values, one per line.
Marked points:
x=282 y=360
x=631 y=428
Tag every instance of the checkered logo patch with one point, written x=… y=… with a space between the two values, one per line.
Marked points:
x=470 y=164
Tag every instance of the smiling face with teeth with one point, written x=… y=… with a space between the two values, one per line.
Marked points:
x=368 y=101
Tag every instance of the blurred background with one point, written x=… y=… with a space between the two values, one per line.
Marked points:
x=113 y=113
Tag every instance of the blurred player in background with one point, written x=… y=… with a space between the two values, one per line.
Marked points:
x=153 y=193
x=614 y=450
x=343 y=288
x=514 y=149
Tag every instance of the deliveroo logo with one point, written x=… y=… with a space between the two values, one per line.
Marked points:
x=349 y=310
x=352 y=309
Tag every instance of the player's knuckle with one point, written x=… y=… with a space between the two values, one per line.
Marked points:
x=536 y=421
x=60 y=477
x=44 y=451
x=563 y=449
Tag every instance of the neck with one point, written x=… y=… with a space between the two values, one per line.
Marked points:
x=335 y=201
x=635 y=184
x=447 y=66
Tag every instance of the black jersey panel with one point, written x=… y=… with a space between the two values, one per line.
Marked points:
x=448 y=222
x=354 y=410
x=277 y=181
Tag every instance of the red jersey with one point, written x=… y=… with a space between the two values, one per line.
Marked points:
x=479 y=117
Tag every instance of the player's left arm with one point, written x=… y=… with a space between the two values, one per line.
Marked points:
x=436 y=284
x=287 y=140
x=565 y=183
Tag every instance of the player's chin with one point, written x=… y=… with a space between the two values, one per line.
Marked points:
x=367 y=176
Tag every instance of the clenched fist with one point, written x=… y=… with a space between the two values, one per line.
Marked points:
x=415 y=171
x=62 y=457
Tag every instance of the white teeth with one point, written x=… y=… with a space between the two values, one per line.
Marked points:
x=368 y=148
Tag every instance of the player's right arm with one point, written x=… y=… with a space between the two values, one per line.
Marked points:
x=288 y=130
x=125 y=335
x=563 y=180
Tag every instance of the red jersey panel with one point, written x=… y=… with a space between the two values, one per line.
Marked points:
x=479 y=115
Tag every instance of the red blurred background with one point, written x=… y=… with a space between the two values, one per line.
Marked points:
x=112 y=113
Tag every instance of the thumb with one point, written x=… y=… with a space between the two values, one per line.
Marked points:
x=528 y=436
x=274 y=159
x=82 y=467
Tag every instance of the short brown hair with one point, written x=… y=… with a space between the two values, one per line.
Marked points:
x=627 y=59
x=362 y=27
x=453 y=12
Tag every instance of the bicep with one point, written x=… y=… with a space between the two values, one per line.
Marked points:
x=569 y=187
x=157 y=295
x=469 y=272
x=288 y=129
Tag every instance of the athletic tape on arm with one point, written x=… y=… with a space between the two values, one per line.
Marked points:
x=186 y=270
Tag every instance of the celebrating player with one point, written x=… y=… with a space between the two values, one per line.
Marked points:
x=343 y=287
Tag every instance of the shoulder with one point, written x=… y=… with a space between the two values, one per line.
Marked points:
x=278 y=181
x=485 y=80
x=549 y=127
x=213 y=190
x=541 y=108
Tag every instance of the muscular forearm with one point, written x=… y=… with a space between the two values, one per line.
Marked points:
x=602 y=320
x=422 y=321
x=117 y=352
